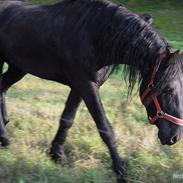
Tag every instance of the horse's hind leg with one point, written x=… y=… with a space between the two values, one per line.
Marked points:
x=11 y=76
x=3 y=134
x=7 y=79
x=66 y=121
x=4 y=110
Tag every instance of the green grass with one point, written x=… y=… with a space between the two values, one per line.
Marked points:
x=167 y=17
x=35 y=106
x=34 y=112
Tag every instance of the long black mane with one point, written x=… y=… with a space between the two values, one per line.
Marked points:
x=119 y=37
x=130 y=40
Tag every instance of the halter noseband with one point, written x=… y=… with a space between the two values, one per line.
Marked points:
x=160 y=113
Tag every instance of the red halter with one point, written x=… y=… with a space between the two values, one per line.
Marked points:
x=160 y=113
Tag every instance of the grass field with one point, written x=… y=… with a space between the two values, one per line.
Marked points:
x=35 y=106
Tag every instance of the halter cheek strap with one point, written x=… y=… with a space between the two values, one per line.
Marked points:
x=160 y=113
x=151 y=83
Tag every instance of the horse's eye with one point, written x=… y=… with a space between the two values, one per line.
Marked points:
x=168 y=90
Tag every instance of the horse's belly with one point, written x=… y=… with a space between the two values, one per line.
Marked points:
x=49 y=69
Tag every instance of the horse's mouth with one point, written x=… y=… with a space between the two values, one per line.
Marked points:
x=169 y=140
x=167 y=143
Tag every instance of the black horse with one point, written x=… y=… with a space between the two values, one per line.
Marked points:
x=78 y=43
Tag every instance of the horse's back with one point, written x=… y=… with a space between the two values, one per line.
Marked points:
x=27 y=39
x=48 y=41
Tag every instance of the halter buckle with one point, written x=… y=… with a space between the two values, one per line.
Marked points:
x=160 y=114
x=149 y=118
x=150 y=86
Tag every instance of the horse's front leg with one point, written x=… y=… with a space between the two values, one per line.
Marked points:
x=90 y=94
x=66 y=121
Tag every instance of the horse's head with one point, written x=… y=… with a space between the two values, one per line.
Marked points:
x=162 y=94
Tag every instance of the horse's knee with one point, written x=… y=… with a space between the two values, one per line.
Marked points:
x=107 y=135
x=66 y=123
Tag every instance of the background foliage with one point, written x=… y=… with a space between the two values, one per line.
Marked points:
x=35 y=105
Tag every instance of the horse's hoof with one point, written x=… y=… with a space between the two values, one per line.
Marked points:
x=121 y=179
x=120 y=169
x=57 y=155
x=4 y=141
x=58 y=158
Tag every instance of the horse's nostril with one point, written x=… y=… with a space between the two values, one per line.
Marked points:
x=174 y=139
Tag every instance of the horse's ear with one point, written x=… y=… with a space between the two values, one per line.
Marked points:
x=175 y=54
x=173 y=57
x=148 y=18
